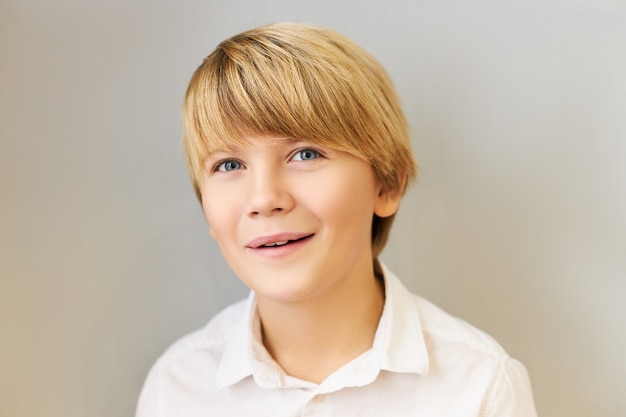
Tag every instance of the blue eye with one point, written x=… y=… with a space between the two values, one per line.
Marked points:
x=229 y=165
x=306 y=155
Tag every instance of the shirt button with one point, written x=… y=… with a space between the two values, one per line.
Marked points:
x=319 y=398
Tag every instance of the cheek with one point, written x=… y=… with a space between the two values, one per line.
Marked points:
x=346 y=203
x=216 y=216
x=219 y=213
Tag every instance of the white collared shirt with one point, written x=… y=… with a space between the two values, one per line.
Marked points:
x=423 y=362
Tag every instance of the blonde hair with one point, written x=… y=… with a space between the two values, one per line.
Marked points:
x=303 y=82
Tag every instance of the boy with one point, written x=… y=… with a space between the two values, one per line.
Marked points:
x=299 y=154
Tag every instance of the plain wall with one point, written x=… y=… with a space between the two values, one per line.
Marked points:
x=517 y=223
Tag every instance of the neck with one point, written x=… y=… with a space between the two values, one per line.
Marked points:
x=313 y=338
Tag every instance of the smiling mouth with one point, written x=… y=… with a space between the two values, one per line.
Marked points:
x=270 y=245
x=284 y=242
x=277 y=241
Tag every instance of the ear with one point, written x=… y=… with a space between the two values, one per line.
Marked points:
x=388 y=201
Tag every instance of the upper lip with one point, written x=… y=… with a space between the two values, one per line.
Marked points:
x=275 y=238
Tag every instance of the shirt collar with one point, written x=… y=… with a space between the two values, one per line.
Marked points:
x=399 y=346
x=236 y=362
x=400 y=338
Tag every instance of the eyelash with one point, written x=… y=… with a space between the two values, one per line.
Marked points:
x=317 y=153
x=220 y=166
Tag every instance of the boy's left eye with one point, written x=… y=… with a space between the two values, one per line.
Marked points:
x=305 y=155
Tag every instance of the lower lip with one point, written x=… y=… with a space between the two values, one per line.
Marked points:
x=281 y=251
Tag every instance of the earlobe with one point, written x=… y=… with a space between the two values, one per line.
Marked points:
x=388 y=201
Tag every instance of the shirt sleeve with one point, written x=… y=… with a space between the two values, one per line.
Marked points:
x=149 y=399
x=511 y=393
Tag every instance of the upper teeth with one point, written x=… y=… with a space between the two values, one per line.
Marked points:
x=277 y=243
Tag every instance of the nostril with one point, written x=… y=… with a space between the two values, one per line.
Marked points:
x=263 y=201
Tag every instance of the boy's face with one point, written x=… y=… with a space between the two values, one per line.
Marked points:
x=293 y=220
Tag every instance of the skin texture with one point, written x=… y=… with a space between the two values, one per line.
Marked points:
x=317 y=296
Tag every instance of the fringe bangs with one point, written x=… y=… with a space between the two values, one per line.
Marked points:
x=297 y=85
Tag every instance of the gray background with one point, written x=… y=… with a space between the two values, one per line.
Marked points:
x=517 y=224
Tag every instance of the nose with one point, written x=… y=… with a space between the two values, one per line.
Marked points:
x=269 y=193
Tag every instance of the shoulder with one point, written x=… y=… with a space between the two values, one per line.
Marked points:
x=439 y=329
x=442 y=328
x=190 y=364
x=210 y=340
x=465 y=356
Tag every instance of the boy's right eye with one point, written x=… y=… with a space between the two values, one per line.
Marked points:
x=227 y=166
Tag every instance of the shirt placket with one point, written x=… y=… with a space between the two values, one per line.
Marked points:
x=319 y=405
